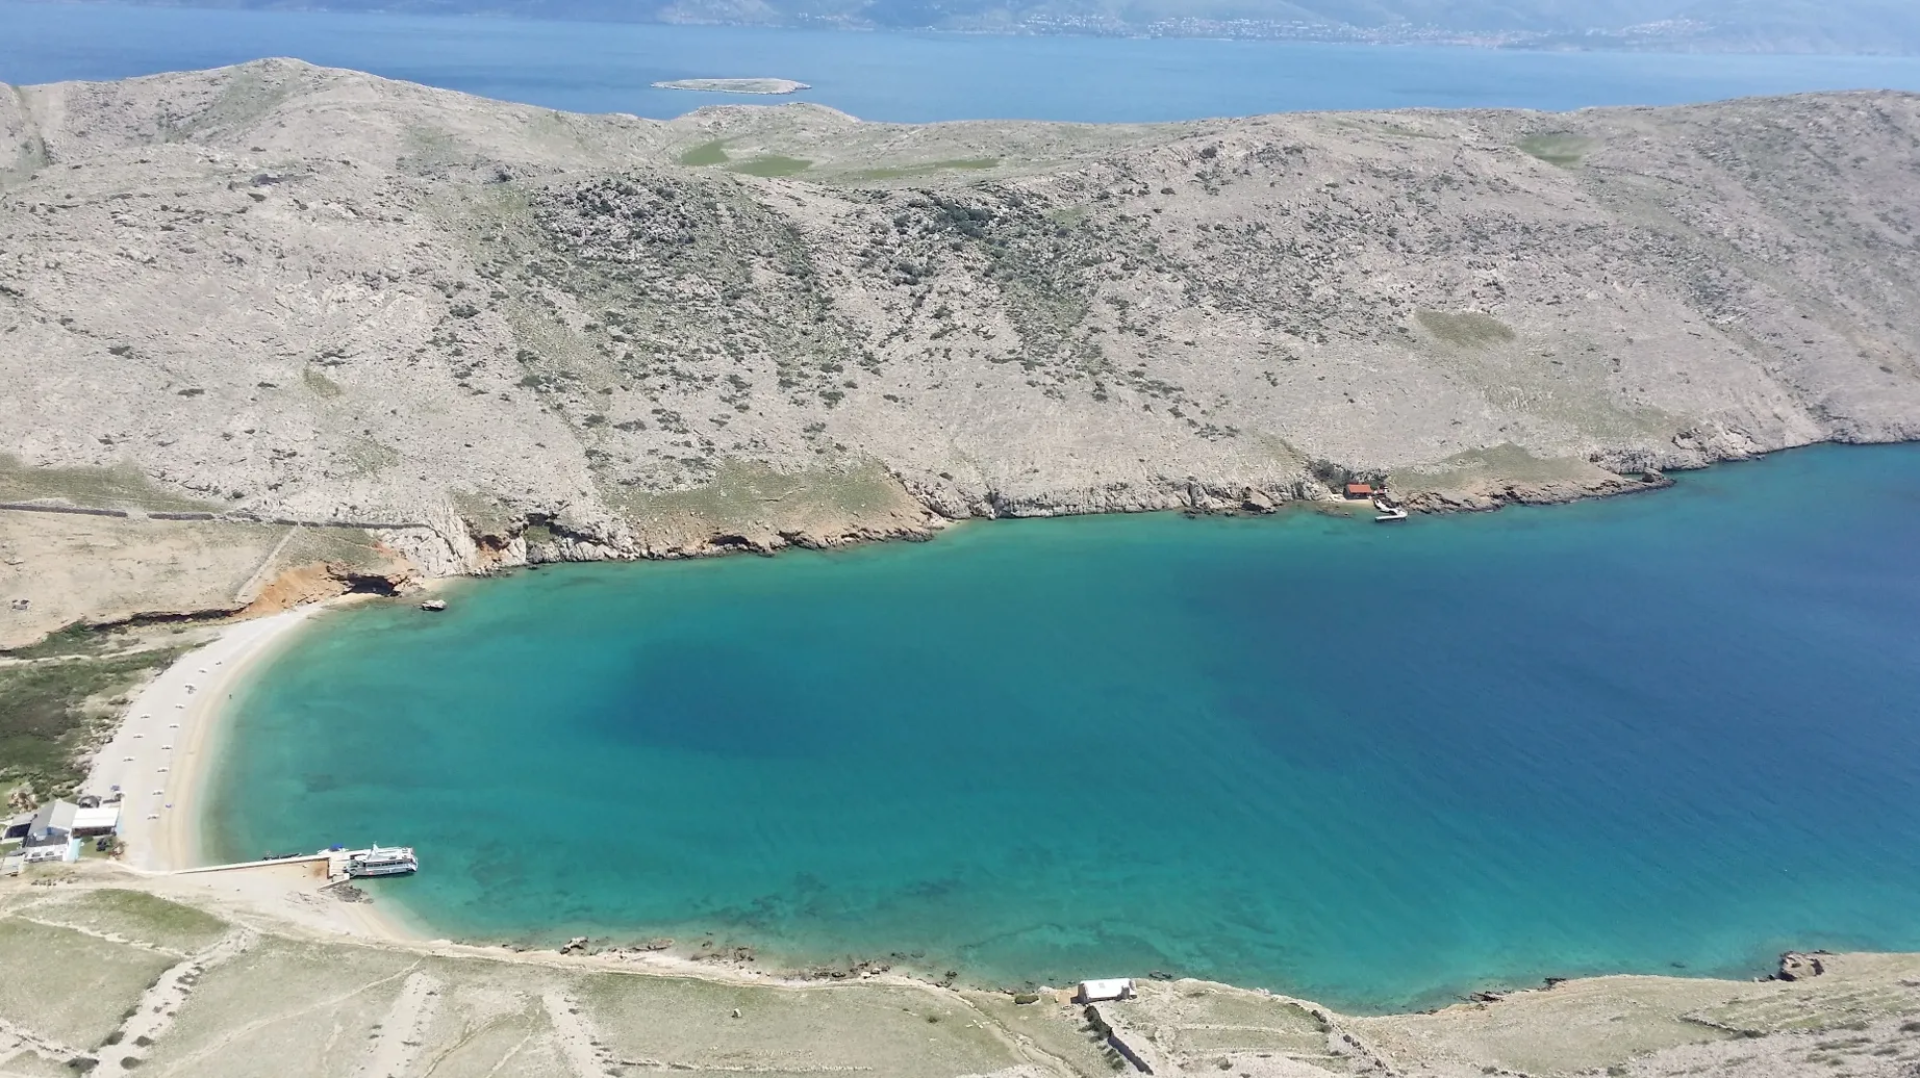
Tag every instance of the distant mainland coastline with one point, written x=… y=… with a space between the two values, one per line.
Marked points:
x=735 y=86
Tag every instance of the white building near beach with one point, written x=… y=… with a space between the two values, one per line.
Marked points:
x=52 y=825
x=57 y=823
x=94 y=822
x=1102 y=991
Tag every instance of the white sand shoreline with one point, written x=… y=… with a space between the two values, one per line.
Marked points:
x=158 y=759
x=161 y=759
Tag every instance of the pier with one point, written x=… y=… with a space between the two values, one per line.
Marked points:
x=265 y=862
x=342 y=863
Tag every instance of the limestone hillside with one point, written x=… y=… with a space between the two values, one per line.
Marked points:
x=488 y=332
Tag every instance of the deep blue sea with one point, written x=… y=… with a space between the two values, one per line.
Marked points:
x=591 y=67
x=1673 y=732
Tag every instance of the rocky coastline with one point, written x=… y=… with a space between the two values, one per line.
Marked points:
x=589 y=541
x=412 y=556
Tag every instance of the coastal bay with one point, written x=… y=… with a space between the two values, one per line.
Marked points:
x=1373 y=766
x=1628 y=786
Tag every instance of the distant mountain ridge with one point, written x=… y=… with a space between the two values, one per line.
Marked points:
x=1849 y=26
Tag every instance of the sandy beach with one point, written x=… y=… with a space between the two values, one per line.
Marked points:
x=158 y=759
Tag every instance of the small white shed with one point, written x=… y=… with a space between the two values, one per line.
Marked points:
x=1102 y=991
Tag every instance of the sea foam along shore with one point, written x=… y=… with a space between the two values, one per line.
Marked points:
x=159 y=757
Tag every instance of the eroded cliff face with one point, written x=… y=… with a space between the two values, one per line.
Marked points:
x=493 y=332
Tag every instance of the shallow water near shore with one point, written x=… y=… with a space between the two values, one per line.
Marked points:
x=1374 y=766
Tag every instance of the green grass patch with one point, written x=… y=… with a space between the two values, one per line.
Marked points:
x=352 y=547
x=49 y=708
x=248 y=96
x=31 y=1064
x=79 y=986
x=772 y=165
x=137 y=915
x=1468 y=329
x=483 y=514
x=964 y=164
x=370 y=457
x=120 y=487
x=294 y=1009
x=751 y=498
x=705 y=154
x=76 y=639
x=1562 y=150
x=322 y=386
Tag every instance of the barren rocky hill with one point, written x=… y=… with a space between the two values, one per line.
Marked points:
x=484 y=331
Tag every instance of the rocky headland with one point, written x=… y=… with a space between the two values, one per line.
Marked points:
x=278 y=319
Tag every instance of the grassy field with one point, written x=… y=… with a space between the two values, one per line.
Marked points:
x=772 y=165
x=137 y=916
x=74 y=641
x=50 y=708
x=329 y=1000
x=705 y=154
x=80 y=987
x=1559 y=149
x=1468 y=329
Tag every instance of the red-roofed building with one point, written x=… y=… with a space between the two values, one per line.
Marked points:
x=1359 y=491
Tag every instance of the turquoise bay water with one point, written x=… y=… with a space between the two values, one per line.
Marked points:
x=906 y=77
x=1368 y=765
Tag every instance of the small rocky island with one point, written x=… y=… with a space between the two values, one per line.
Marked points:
x=735 y=86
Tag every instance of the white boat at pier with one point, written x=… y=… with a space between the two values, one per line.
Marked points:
x=381 y=861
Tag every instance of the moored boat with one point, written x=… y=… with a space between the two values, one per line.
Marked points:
x=382 y=861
